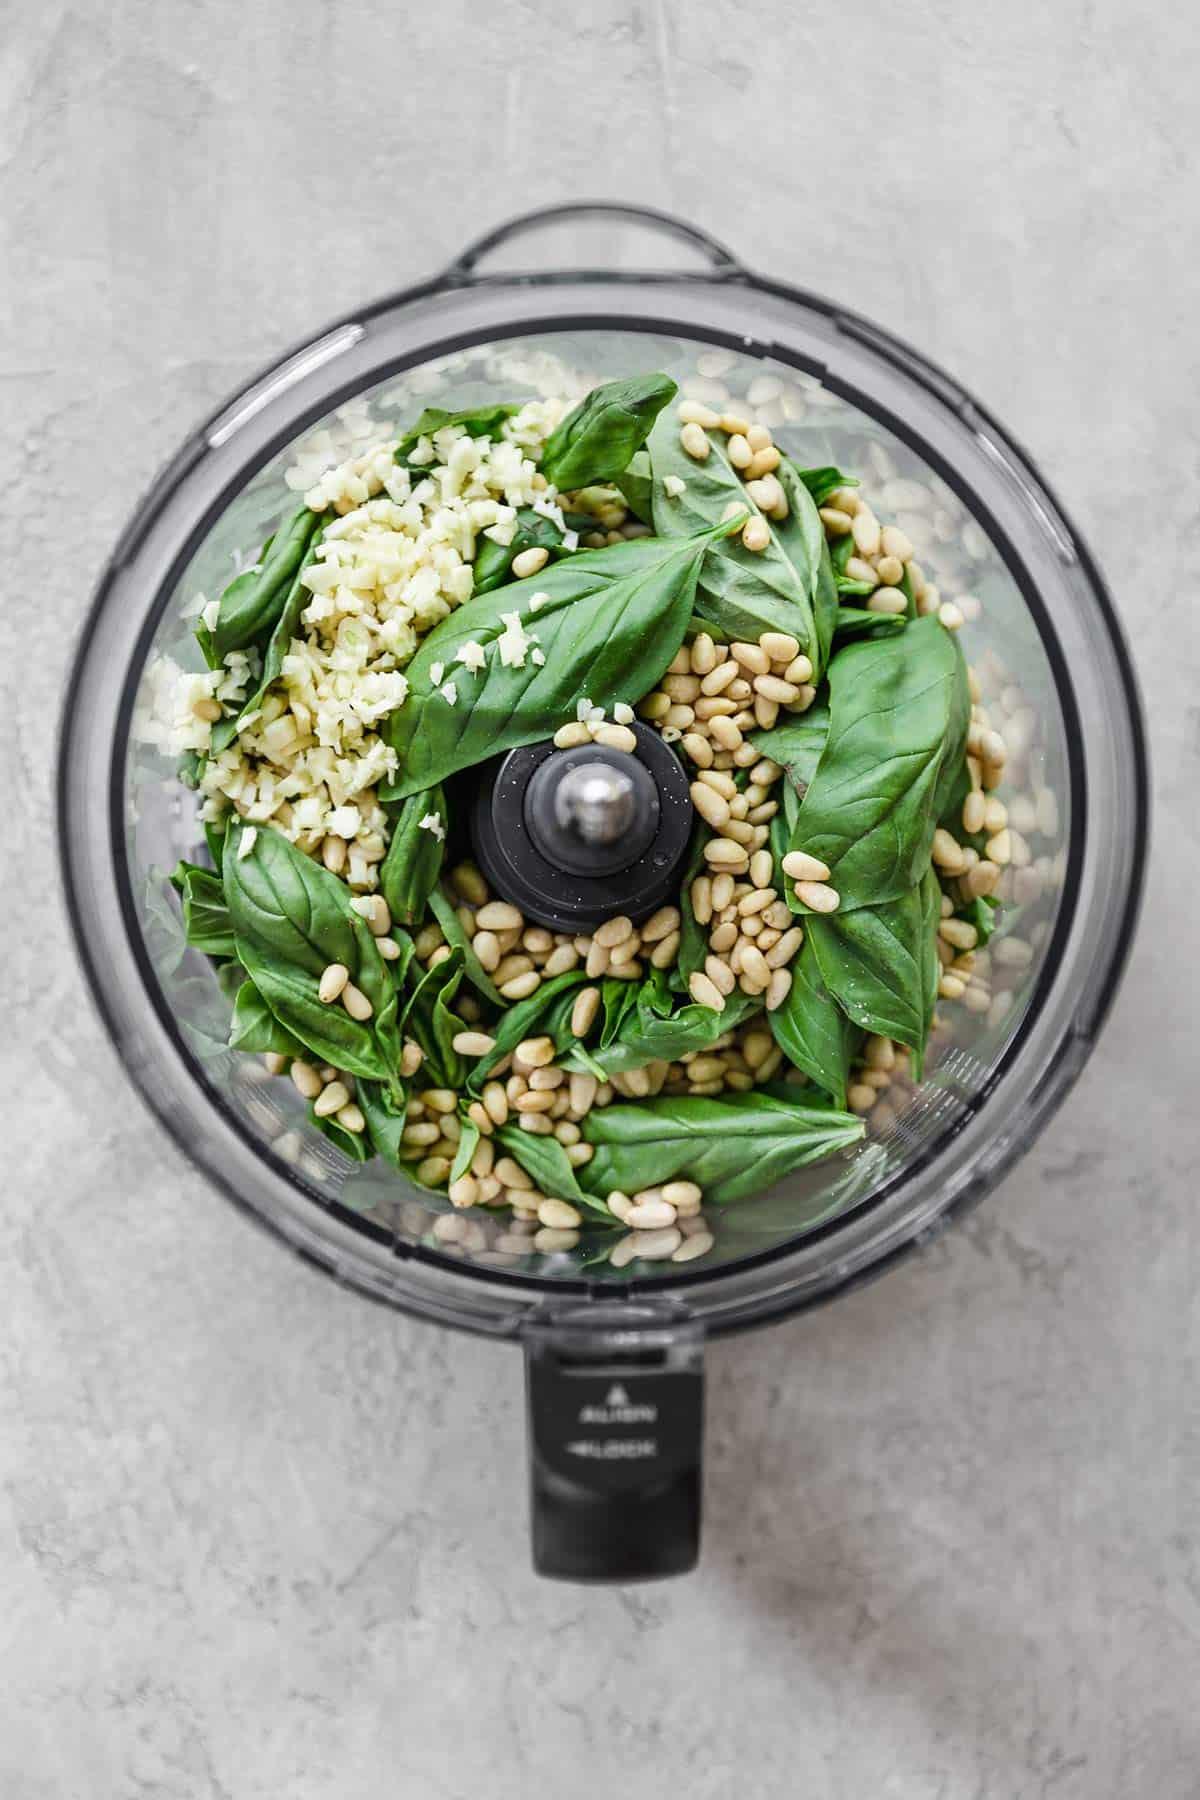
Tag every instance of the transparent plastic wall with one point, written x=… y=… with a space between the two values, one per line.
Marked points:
x=1003 y=647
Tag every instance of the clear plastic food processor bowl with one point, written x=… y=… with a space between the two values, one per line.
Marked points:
x=602 y=291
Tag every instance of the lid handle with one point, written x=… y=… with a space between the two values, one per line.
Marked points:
x=722 y=261
x=616 y=1420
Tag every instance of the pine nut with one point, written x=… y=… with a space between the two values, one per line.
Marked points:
x=693 y=412
x=723 y=731
x=974 y=812
x=472 y=1043
x=660 y=924
x=771 y=687
x=694 y=441
x=356 y=1002
x=549 y=1241
x=702 y=899
x=959 y=932
x=388 y=948
x=888 y=600
x=481 y=1118
x=951 y=987
x=782 y=951
x=859 y=1097
x=817 y=896
x=800 y=866
x=951 y=617
x=754 y=966
x=999 y=847
x=499 y=915
x=756 y=535
x=616 y=737
x=866 y=532
x=720 y=974
x=724 y=853
x=762 y=867
x=778 y=988
x=763 y=462
x=752 y=657
x=581 y=1091
x=464 y=1191
x=351 y=1118
x=836 y=522
x=703 y=655
x=528 y=562
x=421 y=1134
x=583 y=1013
x=738 y=450
x=651 y=1214
x=559 y=1214
x=521 y=986
x=654 y=706
x=306 y=1080
x=328 y=1101
x=705 y=993
x=332 y=982
x=698 y=749
x=613 y=931
x=653 y=1246
x=718 y=679
x=571 y=735
x=947 y=853
x=710 y=805
x=411 y=1057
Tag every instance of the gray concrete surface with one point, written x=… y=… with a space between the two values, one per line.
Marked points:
x=259 y=1539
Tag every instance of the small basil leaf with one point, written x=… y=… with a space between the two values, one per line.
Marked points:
x=328 y=1032
x=255 y=1029
x=547 y=1162
x=283 y=631
x=477 y=421
x=636 y=483
x=252 y=603
x=595 y=442
x=796 y=743
x=545 y=1014
x=468 y=1142
x=823 y=482
x=880 y=963
x=534 y=531
x=385 y=1113
x=206 y=922
x=442 y=908
x=353 y=1144
x=429 y=1019
x=856 y=622
x=414 y=858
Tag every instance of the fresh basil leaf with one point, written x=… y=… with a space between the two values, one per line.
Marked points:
x=206 y=922
x=353 y=1144
x=287 y=624
x=162 y=926
x=981 y=913
x=443 y=910
x=797 y=743
x=733 y=1145
x=385 y=1112
x=214 y=837
x=468 y=1142
x=654 y=1030
x=477 y=421
x=609 y=426
x=255 y=1029
x=429 y=1019
x=609 y=625
x=293 y=912
x=823 y=482
x=899 y=710
x=880 y=963
x=857 y=622
x=545 y=1014
x=547 y=1162
x=252 y=603
x=693 y=938
x=328 y=1032
x=636 y=483
x=190 y=768
x=742 y=592
x=534 y=531
x=414 y=858
x=812 y=1030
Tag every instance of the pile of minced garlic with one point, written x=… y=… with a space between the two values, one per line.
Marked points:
x=396 y=561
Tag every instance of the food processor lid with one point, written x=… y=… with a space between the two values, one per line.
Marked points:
x=708 y=298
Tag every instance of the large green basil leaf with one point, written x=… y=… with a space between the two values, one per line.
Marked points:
x=742 y=592
x=255 y=1029
x=295 y=914
x=899 y=710
x=476 y=421
x=609 y=624
x=206 y=922
x=286 y=625
x=414 y=858
x=547 y=1162
x=327 y=1032
x=796 y=743
x=545 y=1014
x=443 y=910
x=733 y=1145
x=596 y=441
x=534 y=531
x=253 y=602
x=880 y=963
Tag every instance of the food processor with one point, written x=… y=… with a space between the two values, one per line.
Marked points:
x=549 y=304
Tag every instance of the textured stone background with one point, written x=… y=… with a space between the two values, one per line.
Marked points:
x=259 y=1539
